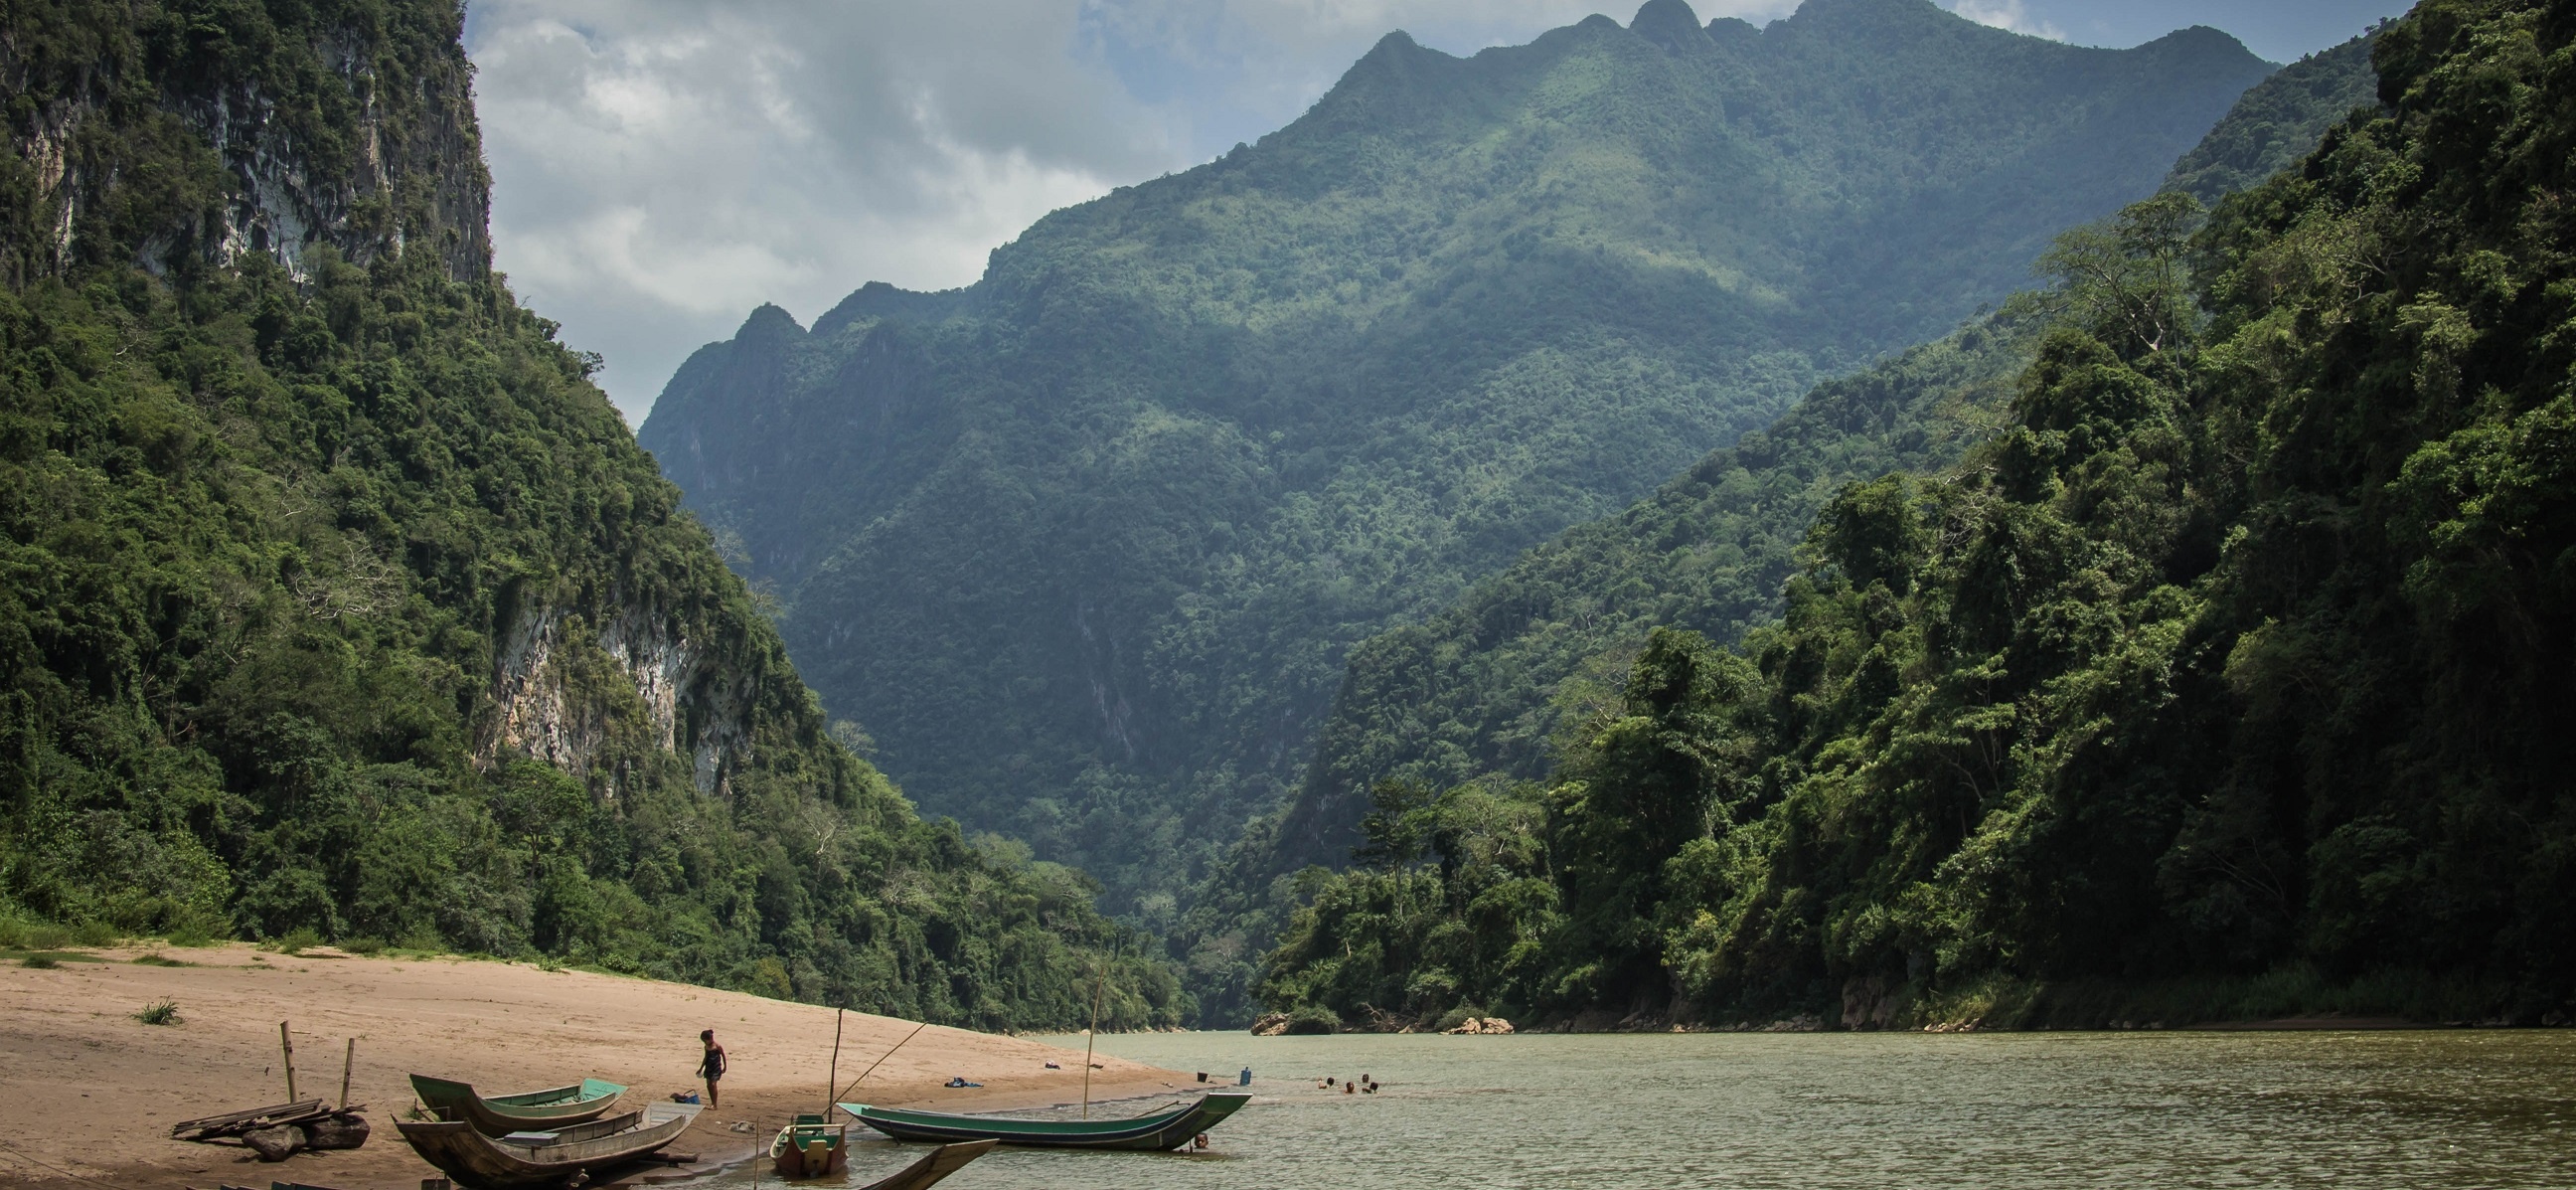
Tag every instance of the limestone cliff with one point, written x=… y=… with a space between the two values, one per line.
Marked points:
x=356 y=132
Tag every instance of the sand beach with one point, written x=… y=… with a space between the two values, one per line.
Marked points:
x=88 y=1093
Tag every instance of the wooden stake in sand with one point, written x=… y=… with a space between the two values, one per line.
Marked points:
x=347 y=1061
x=834 y=1078
x=286 y=1041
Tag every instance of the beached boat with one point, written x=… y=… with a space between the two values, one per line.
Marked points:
x=496 y=1115
x=934 y=1165
x=547 y=1158
x=811 y=1147
x=1160 y=1130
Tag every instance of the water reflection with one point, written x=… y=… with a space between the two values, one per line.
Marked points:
x=2432 y=1109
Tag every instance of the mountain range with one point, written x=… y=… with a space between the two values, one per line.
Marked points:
x=1603 y=529
x=1078 y=551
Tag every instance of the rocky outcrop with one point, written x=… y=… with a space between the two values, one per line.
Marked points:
x=281 y=207
x=1489 y=1026
x=400 y=170
x=562 y=690
x=1868 y=1003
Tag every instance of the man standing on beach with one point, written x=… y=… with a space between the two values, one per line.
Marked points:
x=712 y=1066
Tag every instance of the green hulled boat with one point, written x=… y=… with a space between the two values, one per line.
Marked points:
x=500 y=1115
x=811 y=1147
x=1162 y=1130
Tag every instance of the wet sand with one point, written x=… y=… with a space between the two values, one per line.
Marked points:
x=88 y=1093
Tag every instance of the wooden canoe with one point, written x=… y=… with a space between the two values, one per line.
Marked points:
x=546 y=1158
x=1160 y=1130
x=811 y=1147
x=499 y=1115
x=935 y=1165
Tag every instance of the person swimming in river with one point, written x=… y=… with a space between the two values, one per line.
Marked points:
x=711 y=1065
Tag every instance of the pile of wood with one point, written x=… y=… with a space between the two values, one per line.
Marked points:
x=280 y=1130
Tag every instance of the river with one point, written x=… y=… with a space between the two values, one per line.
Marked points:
x=2423 y=1110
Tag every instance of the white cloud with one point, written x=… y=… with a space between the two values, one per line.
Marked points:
x=2008 y=14
x=662 y=166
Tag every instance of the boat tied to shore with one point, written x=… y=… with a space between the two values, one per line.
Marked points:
x=810 y=1147
x=556 y=1158
x=500 y=1115
x=1155 y=1131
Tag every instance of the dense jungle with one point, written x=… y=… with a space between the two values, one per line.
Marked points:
x=2216 y=682
x=339 y=605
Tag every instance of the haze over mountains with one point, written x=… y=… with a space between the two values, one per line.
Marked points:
x=1080 y=548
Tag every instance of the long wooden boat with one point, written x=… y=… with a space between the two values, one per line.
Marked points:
x=811 y=1147
x=933 y=1166
x=498 y=1115
x=546 y=1158
x=1161 y=1130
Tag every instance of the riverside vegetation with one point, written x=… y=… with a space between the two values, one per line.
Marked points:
x=1080 y=549
x=338 y=603
x=2226 y=679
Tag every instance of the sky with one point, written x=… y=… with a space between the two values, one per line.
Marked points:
x=662 y=167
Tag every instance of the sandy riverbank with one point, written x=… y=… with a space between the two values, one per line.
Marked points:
x=90 y=1092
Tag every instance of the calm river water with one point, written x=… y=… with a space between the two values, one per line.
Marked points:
x=2423 y=1110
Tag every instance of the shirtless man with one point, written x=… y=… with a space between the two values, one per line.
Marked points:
x=711 y=1067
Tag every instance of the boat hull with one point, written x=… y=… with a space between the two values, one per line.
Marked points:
x=500 y=1115
x=1152 y=1133
x=810 y=1150
x=483 y=1163
x=934 y=1166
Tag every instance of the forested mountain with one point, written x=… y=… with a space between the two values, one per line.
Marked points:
x=1081 y=547
x=337 y=600
x=1480 y=688
x=2228 y=679
x=2278 y=122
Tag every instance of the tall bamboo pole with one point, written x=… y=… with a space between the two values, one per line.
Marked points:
x=1091 y=1036
x=286 y=1041
x=834 y=1078
x=347 y=1062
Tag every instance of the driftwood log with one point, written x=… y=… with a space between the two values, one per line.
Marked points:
x=235 y=1123
x=280 y=1130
